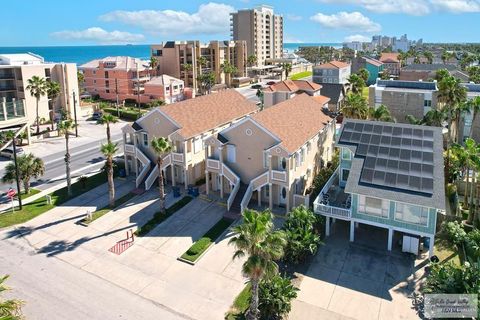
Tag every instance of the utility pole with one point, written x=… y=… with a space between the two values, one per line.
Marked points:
x=116 y=92
x=17 y=176
x=75 y=113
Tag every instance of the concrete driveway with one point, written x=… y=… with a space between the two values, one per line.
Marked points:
x=149 y=269
x=352 y=281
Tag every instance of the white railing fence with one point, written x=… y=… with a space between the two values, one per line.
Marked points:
x=246 y=197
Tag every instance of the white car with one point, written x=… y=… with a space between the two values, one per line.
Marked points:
x=8 y=152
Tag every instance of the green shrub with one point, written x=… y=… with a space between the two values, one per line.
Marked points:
x=199 y=246
x=125 y=114
x=302 y=237
x=275 y=297
x=454 y=232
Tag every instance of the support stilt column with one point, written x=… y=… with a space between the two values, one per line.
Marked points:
x=352 y=231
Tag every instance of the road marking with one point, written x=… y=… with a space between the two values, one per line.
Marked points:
x=77 y=153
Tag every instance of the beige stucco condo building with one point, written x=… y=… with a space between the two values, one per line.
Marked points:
x=274 y=153
x=186 y=124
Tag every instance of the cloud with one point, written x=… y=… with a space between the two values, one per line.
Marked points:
x=211 y=18
x=347 y=20
x=357 y=37
x=99 y=35
x=413 y=7
x=457 y=6
x=290 y=39
x=294 y=17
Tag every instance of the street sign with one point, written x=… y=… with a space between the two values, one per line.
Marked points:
x=11 y=193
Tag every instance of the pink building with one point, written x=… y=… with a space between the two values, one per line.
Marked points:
x=130 y=78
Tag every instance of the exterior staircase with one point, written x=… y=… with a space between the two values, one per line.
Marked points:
x=236 y=207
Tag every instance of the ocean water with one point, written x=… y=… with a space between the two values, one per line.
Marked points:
x=83 y=54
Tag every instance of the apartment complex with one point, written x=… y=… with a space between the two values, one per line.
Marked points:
x=391 y=63
x=186 y=125
x=332 y=72
x=18 y=105
x=123 y=78
x=173 y=57
x=390 y=177
x=404 y=98
x=261 y=29
x=288 y=89
x=275 y=154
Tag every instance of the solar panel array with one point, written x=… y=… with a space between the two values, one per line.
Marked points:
x=394 y=157
x=423 y=85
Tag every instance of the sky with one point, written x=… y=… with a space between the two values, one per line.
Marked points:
x=87 y=22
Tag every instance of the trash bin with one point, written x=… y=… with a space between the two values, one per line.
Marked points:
x=195 y=192
x=122 y=173
x=176 y=192
x=190 y=189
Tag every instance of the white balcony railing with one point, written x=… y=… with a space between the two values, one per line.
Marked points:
x=129 y=148
x=279 y=175
x=213 y=164
x=330 y=210
x=167 y=160
x=177 y=157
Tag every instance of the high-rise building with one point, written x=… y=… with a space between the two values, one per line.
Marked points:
x=17 y=101
x=261 y=29
x=173 y=57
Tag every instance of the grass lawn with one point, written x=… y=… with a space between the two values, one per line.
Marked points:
x=300 y=75
x=160 y=217
x=240 y=305
x=39 y=206
x=32 y=192
x=446 y=251
x=101 y=212
x=204 y=242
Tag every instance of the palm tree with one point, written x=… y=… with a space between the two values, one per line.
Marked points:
x=64 y=128
x=80 y=78
x=107 y=119
x=251 y=60
x=53 y=91
x=38 y=88
x=429 y=56
x=109 y=149
x=153 y=65
x=187 y=68
x=257 y=239
x=229 y=70
x=364 y=74
x=380 y=113
x=446 y=56
x=29 y=167
x=413 y=120
x=161 y=146
x=207 y=80
x=355 y=107
x=356 y=83
x=260 y=96
x=441 y=74
x=385 y=75
x=453 y=95
x=287 y=67
x=475 y=109
x=9 y=309
x=202 y=62
x=435 y=118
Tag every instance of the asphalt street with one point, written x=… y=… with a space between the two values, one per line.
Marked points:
x=84 y=159
x=55 y=290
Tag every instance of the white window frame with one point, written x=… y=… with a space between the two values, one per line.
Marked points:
x=231 y=153
x=402 y=220
x=383 y=213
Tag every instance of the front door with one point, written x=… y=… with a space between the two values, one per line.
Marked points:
x=282 y=196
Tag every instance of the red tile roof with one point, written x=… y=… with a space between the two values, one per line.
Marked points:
x=293 y=86
x=389 y=57
x=333 y=65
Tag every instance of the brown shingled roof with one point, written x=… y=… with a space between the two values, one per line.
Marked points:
x=389 y=57
x=204 y=113
x=293 y=86
x=295 y=121
x=333 y=65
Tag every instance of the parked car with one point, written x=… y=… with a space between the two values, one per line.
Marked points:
x=256 y=86
x=271 y=83
x=8 y=152
x=97 y=115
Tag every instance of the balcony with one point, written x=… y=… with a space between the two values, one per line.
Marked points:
x=177 y=157
x=332 y=200
x=129 y=148
x=10 y=111
x=213 y=164
x=277 y=175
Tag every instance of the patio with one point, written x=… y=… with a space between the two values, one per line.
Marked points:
x=332 y=200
